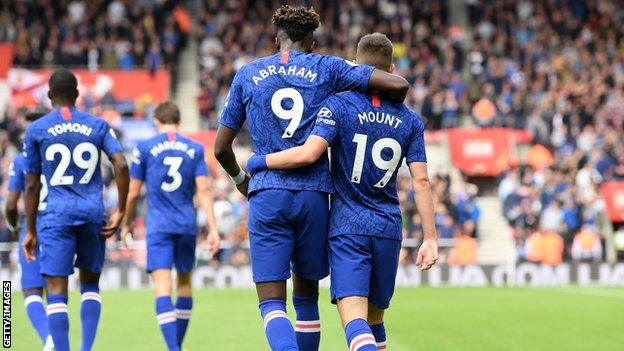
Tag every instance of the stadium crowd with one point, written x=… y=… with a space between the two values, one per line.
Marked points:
x=95 y=34
x=557 y=71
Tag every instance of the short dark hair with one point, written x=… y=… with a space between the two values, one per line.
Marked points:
x=63 y=85
x=167 y=113
x=375 y=50
x=297 y=22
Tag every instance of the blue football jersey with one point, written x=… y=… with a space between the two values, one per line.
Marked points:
x=168 y=164
x=17 y=168
x=369 y=139
x=17 y=183
x=278 y=96
x=65 y=146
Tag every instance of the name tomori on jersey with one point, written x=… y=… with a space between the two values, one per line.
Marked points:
x=71 y=128
x=172 y=145
x=379 y=117
x=290 y=71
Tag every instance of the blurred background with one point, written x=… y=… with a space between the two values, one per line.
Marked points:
x=523 y=103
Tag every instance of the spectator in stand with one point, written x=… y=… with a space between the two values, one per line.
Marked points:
x=111 y=34
x=586 y=246
x=464 y=251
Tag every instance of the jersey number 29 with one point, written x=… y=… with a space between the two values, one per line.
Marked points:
x=78 y=157
x=388 y=165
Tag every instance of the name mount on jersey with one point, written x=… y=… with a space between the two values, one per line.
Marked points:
x=379 y=117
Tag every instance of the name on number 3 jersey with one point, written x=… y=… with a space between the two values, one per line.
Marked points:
x=279 y=96
x=168 y=164
x=369 y=139
x=64 y=146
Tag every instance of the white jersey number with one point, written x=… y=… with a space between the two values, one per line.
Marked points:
x=294 y=114
x=174 y=164
x=78 y=156
x=43 y=194
x=388 y=165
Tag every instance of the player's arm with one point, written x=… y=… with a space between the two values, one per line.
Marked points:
x=391 y=86
x=16 y=186
x=230 y=123
x=417 y=161
x=122 y=180
x=428 y=253
x=11 y=213
x=32 y=188
x=324 y=133
x=134 y=192
x=137 y=175
x=203 y=185
x=295 y=157
x=350 y=76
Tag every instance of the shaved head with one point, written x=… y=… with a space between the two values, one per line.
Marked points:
x=63 y=87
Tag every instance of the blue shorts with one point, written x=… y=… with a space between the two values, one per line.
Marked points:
x=288 y=226
x=31 y=271
x=164 y=250
x=63 y=248
x=363 y=265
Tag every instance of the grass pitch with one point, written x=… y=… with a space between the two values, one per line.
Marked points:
x=480 y=319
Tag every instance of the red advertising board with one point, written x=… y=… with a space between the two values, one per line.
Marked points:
x=206 y=138
x=613 y=195
x=29 y=87
x=6 y=59
x=482 y=152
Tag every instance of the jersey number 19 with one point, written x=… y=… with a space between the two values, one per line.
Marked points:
x=388 y=165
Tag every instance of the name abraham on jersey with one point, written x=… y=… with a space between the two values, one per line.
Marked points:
x=69 y=127
x=290 y=71
x=172 y=145
x=379 y=117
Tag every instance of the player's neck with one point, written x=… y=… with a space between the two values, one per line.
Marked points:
x=64 y=104
x=292 y=46
x=167 y=128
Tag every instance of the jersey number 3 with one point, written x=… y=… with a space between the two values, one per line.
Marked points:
x=174 y=164
x=389 y=166
x=293 y=114
x=78 y=156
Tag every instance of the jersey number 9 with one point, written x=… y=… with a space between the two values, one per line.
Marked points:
x=293 y=114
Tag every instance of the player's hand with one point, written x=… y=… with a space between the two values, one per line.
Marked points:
x=113 y=224
x=126 y=235
x=244 y=186
x=427 y=254
x=29 y=246
x=214 y=241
